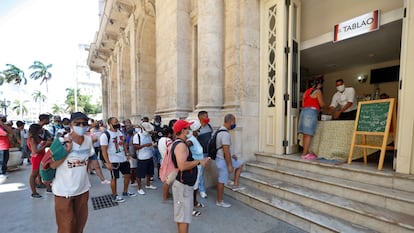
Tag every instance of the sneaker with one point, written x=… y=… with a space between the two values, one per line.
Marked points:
x=237 y=188
x=223 y=204
x=230 y=182
x=309 y=156
x=150 y=187
x=49 y=191
x=128 y=194
x=118 y=199
x=203 y=194
x=140 y=192
x=3 y=178
x=105 y=182
x=35 y=196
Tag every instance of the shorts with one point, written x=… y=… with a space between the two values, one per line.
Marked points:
x=223 y=171
x=133 y=163
x=35 y=160
x=93 y=157
x=183 y=197
x=308 y=121
x=120 y=167
x=145 y=168
x=156 y=155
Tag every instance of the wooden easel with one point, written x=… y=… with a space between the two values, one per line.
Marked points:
x=374 y=118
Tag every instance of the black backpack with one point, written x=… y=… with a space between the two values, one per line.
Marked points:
x=212 y=147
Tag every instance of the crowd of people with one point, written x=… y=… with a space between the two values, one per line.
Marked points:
x=134 y=150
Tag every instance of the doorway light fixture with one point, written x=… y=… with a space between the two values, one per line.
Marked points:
x=362 y=78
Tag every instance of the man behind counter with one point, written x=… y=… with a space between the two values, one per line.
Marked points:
x=345 y=99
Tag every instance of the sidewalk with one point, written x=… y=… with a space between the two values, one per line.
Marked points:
x=143 y=213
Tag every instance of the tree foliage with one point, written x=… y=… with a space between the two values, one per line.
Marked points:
x=12 y=75
x=83 y=102
x=41 y=71
x=16 y=107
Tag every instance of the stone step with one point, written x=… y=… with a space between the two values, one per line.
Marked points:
x=308 y=219
x=354 y=172
x=360 y=213
x=395 y=200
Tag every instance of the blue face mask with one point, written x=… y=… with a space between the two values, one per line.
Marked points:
x=80 y=130
x=232 y=126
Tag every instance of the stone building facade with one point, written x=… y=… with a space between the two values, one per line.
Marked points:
x=178 y=57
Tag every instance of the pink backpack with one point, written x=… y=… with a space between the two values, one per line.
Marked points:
x=168 y=171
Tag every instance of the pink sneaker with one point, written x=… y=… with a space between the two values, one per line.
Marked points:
x=309 y=156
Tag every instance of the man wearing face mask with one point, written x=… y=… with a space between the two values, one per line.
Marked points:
x=144 y=149
x=226 y=161
x=71 y=183
x=205 y=133
x=115 y=152
x=343 y=105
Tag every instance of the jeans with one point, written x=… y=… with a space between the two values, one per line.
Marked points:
x=201 y=185
x=4 y=159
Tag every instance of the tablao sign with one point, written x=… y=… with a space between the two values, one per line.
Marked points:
x=359 y=25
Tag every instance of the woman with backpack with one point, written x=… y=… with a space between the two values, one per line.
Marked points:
x=37 y=147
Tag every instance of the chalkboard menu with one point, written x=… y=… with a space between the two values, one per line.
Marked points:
x=373 y=117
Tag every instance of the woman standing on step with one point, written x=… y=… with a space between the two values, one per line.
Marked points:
x=312 y=103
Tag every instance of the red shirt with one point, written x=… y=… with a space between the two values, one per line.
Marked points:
x=309 y=101
x=4 y=140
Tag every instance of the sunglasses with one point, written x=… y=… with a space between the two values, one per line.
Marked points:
x=83 y=123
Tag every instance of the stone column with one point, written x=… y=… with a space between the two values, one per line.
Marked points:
x=210 y=54
x=173 y=60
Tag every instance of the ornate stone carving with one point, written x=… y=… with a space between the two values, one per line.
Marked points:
x=150 y=7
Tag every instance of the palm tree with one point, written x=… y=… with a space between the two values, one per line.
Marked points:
x=12 y=74
x=39 y=97
x=41 y=72
x=16 y=107
x=58 y=109
x=16 y=75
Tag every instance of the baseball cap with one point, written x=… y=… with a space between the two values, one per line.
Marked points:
x=147 y=126
x=195 y=125
x=180 y=125
x=20 y=123
x=77 y=115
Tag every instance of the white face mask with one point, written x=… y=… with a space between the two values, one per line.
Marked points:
x=341 y=88
x=80 y=130
x=190 y=133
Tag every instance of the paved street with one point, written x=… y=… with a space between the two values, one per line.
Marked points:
x=19 y=213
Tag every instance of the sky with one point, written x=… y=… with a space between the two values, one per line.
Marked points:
x=48 y=31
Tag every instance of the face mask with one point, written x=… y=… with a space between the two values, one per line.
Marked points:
x=157 y=123
x=341 y=88
x=190 y=133
x=206 y=120
x=232 y=126
x=117 y=126
x=66 y=126
x=4 y=119
x=80 y=130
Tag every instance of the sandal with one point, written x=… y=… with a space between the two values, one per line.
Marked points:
x=196 y=213
x=199 y=205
